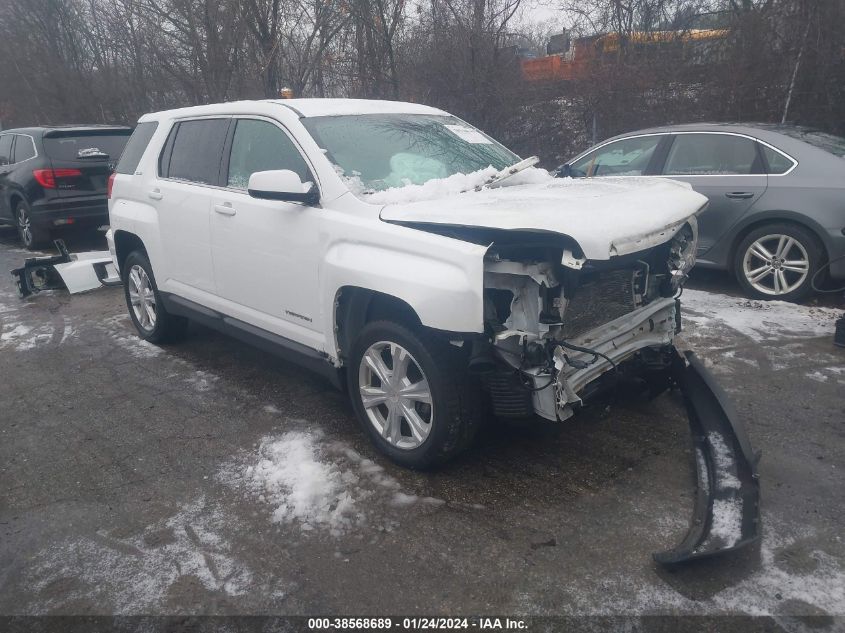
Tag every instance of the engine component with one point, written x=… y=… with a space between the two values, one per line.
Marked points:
x=510 y=397
x=481 y=359
x=600 y=298
x=682 y=250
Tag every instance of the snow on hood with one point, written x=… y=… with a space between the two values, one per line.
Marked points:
x=607 y=216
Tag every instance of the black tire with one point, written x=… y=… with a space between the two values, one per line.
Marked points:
x=31 y=236
x=166 y=327
x=807 y=243
x=455 y=396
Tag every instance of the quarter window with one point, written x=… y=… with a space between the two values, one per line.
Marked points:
x=262 y=146
x=24 y=148
x=6 y=149
x=626 y=157
x=197 y=149
x=712 y=155
x=777 y=162
x=134 y=150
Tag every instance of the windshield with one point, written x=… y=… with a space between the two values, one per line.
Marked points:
x=374 y=152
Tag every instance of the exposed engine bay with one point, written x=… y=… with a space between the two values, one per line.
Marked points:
x=557 y=321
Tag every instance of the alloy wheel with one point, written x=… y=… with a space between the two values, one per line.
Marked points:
x=24 y=226
x=142 y=297
x=396 y=395
x=776 y=264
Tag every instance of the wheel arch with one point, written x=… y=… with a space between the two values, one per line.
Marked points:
x=124 y=244
x=355 y=306
x=784 y=217
x=14 y=198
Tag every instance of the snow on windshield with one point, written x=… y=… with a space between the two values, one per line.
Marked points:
x=442 y=187
x=377 y=153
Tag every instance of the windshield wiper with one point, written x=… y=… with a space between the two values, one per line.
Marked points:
x=507 y=172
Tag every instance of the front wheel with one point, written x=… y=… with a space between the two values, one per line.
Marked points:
x=778 y=261
x=146 y=309
x=412 y=395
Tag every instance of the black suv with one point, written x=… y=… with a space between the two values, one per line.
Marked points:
x=56 y=176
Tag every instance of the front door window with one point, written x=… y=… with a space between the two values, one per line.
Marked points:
x=626 y=157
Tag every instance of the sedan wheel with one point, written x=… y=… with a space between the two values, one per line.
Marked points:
x=776 y=264
x=142 y=297
x=395 y=395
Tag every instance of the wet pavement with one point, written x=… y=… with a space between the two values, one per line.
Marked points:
x=139 y=479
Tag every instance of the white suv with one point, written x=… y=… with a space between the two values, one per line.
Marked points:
x=403 y=253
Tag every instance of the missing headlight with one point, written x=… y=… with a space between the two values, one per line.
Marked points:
x=682 y=251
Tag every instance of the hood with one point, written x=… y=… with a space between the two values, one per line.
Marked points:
x=606 y=216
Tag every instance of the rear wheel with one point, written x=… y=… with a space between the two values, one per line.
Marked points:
x=146 y=309
x=412 y=394
x=31 y=236
x=778 y=261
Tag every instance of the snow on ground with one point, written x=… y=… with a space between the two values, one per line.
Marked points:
x=773 y=589
x=290 y=476
x=761 y=321
x=733 y=334
x=19 y=331
x=312 y=484
x=133 y=575
x=119 y=329
x=202 y=381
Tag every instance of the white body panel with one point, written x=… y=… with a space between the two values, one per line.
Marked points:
x=280 y=266
x=601 y=215
x=80 y=275
x=276 y=258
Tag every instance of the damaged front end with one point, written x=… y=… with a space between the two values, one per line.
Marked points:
x=559 y=328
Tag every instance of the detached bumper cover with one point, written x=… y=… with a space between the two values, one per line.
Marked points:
x=726 y=515
x=74 y=272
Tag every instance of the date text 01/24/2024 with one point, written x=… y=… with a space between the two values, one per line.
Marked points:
x=417 y=623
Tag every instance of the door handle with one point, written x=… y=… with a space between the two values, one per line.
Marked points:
x=155 y=194
x=740 y=195
x=224 y=209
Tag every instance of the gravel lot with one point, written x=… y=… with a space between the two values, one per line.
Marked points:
x=210 y=477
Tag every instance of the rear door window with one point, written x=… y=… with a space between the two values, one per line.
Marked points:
x=87 y=146
x=24 y=148
x=712 y=155
x=197 y=151
x=262 y=146
x=6 y=149
x=136 y=147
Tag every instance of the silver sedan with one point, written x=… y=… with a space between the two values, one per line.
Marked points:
x=777 y=196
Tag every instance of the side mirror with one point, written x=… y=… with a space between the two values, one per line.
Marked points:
x=282 y=184
x=564 y=171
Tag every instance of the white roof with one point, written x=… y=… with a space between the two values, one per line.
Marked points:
x=329 y=107
x=301 y=107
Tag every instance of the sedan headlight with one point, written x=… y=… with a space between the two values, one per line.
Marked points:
x=682 y=251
